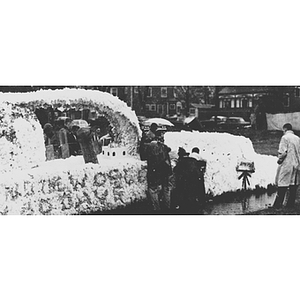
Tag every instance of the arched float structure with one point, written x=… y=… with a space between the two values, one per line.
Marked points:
x=31 y=185
x=124 y=121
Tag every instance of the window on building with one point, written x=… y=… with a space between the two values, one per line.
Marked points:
x=286 y=100
x=149 y=92
x=136 y=89
x=172 y=106
x=250 y=103
x=227 y=103
x=153 y=107
x=174 y=93
x=164 y=92
x=244 y=103
x=159 y=108
x=297 y=91
x=232 y=105
x=192 y=111
x=148 y=107
x=114 y=91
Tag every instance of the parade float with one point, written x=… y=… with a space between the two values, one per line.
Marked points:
x=224 y=152
x=31 y=185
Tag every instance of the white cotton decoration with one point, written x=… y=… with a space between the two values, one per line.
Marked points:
x=223 y=151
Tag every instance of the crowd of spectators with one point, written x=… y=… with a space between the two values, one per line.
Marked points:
x=63 y=138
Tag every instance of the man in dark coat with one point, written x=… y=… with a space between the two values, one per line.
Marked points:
x=159 y=171
x=73 y=141
x=147 y=137
x=189 y=179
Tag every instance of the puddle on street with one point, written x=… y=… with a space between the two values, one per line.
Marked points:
x=241 y=205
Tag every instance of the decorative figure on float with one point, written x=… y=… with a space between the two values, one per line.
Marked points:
x=85 y=139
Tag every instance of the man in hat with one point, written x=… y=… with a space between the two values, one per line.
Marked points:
x=147 y=137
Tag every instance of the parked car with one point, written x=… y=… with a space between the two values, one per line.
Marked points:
x=65 y=119
x=213 y=122
x=234 y=123
x=218 y=118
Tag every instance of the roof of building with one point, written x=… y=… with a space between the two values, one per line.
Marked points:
x=243 y=89
x=200 y=105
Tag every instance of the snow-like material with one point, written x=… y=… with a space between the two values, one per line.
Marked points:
x=30 y=185
x=69 y=186
x=21 y=138
x=123 y=119
x=223 y=152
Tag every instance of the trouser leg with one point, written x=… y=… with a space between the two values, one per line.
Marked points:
x=279 y=197
x=166 y=190
x=153 y=194
x=292 y=197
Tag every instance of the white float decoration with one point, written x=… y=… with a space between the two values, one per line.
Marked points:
x=30 y=185
x=223 y=152
x=114 y=152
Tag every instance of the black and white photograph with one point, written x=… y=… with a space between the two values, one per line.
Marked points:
x=207 y=150
x=149 y=150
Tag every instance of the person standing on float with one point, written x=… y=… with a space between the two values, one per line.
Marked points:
x=63 y=139
x=51 y=142
x=288 y=175
x=84 y=135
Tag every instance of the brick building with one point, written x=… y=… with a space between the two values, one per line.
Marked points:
x=242 y=100
x=161 y=101
x=153 y=101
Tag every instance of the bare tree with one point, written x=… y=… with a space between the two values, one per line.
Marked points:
x=192 y=94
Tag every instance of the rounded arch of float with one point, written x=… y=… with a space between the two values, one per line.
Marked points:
x=123 y=119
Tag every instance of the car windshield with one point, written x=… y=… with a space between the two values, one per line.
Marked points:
x=218 y=118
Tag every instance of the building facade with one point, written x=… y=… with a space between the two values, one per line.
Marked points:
x=149 y=101
x=248 y=97
x=162 y=101
x=166 y=101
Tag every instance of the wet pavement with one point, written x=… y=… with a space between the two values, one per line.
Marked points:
x=257 y=202
x=242 y=204
x=237 y=203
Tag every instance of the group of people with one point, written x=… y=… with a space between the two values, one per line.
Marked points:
x=180 y=188
x=64 y=140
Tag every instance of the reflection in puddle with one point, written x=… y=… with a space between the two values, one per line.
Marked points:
x=241 y=205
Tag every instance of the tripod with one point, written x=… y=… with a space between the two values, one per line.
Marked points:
x=245 y=180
